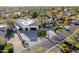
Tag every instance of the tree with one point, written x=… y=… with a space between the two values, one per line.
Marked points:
x=3 y=42
x=35 y=14
x=66 y=20
x=57 y=9
x=42 y=34
x=64 y=48
x=42 y=19
x=8 y=48
x=10 y=23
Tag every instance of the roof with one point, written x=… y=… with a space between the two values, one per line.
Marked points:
x=2 y=25
x=26 y=22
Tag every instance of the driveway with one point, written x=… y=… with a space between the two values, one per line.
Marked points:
x=16 y=43
x=45 y=45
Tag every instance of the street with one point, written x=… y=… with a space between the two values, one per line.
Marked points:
x=71 y=30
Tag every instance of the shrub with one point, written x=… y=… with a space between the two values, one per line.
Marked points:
x=67 y=43
x=35 y=14
x=3 y=42
x=42 y=34
x=8 y=49
x=64 y=48
x=76 y=46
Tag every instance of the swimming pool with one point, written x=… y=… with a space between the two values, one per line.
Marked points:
x=32 y=35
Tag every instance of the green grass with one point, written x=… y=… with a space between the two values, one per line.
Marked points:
x=76 y=46
x=58 y=30
x=7 y=48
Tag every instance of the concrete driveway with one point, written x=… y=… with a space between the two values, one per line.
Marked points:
x=16 y=43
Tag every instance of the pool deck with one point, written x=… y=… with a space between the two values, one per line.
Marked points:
x=31 y=43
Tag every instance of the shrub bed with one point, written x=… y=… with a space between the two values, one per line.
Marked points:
x=8 y=49
x=42 y=34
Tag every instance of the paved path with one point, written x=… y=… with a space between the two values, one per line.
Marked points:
x=16 y=43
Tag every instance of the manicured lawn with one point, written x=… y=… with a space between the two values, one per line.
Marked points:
x=58 y=30
x=76 y=46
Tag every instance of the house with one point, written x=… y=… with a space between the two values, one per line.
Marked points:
x=3 y=30
x=27 y=24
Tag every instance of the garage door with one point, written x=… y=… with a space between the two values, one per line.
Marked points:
x=26 y=29
x=33 y=28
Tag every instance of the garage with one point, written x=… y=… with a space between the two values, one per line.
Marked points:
x=33 y=28
x=26 y=29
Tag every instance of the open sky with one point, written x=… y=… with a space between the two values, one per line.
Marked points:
x=39 y=2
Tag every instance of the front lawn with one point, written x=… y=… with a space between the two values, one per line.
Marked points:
x=58 y=30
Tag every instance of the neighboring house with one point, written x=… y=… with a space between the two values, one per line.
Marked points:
x=3 y=30
x=49 y=20
x=77 y=22
x=28 y=24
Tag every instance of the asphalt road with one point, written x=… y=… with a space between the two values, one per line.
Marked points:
x=66 y=33
x=45 y=45
x=56 y=39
